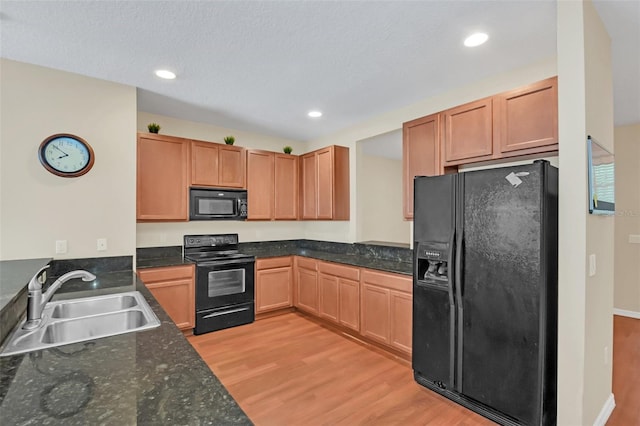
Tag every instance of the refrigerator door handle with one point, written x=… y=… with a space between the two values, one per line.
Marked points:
x=450 y=271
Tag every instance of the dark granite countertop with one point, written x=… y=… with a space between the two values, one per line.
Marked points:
x=374 y=256
x=152 y=377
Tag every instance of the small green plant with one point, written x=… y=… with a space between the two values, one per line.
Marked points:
x=287 y=149
x=229 y=140
x=154 y=127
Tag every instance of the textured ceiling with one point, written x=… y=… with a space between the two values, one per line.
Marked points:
x=261 y=65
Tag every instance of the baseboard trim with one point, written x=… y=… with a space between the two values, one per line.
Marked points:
x=606 y=411
x=630 y=314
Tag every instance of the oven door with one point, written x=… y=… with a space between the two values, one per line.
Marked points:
x=223 y=283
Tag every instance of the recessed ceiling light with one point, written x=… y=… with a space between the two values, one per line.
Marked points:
x=315 y=114
x=475 y=39
x=166 y=74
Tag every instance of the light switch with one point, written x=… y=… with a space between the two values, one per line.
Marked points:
x=592 y=265
x=634 y=239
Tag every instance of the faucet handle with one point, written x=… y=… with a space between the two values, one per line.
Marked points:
x=35 y=283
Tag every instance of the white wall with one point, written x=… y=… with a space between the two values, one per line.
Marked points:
x=585 y=303
x=627 y=219
x=167 y=234
x=347 y=231
x=379 y=200
x=36 y=207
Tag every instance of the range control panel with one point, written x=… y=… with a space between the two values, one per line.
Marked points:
x=220 y=240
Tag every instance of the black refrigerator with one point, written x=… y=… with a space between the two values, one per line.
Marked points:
x=485 y=290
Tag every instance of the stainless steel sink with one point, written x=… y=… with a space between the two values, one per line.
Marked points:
x=72 y=321
x=94 y=306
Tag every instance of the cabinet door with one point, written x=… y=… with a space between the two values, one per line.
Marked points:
x=401 y=321
x=273 y=289
x=375 y=312
x=468 y=132
x=328 y=303
x=232 y=166
x=307 y=290
x=162 y=178
x=325 y=183
x=528 y=117
x=177 y=298
x=286 y=187
x=204 y=164
x=421 y=154
x=349 y=303
x=260 y=184
x=309 y=186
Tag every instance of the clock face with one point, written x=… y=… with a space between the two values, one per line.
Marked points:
x=66 y=155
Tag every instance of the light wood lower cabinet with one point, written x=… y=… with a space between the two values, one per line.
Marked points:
x=306 y=294
x=174 y=289
x=339 y=288
x=274 y=284
x=387 y=306
x=377 y=305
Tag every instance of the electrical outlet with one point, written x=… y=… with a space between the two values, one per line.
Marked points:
x=61 y=246
x=102 y=244
x=592 y=265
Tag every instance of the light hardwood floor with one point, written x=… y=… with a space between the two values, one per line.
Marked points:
x=626 y=372
x=288 y=370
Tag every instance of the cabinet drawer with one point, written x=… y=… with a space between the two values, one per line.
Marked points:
x=306 y=263
x=348 y=272
x=273 y=262
x=165 y=273
x=386 y=280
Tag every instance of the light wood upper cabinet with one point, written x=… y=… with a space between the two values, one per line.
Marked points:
x=421 y=155
x=174 y=289
x=217 y=165
x=232 y=166
x=274 y=284
x=527 y=118
x=286 y=186
x=325 y=184
x=272 y=185
x=162 y=178
x=204 y=163
x=260 y=184
x=468 y=132
x=308 y=186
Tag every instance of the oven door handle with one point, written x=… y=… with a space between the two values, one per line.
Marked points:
x=231 y=311
x=226 y=262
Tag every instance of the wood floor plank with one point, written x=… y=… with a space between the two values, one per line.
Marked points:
x=288 y=370
x=626 y=372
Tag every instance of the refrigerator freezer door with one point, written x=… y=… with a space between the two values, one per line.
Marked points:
x=433 y=351
x=499 y=325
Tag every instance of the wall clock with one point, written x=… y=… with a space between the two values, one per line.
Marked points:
x=66 y=155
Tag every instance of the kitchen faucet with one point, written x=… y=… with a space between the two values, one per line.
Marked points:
x=36 y=300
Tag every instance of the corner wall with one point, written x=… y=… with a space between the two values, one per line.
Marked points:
x=627 y=220
x=38 y=208
x=585 y=329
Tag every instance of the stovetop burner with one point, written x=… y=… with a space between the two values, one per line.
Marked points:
x=218 y=247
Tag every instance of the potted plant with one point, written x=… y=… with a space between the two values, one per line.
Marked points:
x=229 y=140
x=287 y=149
x=153 y=127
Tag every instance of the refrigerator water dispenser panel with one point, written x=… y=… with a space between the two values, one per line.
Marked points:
x=433 y=263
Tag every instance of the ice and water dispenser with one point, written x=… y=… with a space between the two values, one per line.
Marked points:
x=432 y=263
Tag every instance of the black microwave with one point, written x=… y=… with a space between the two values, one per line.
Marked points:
x=217 y=204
